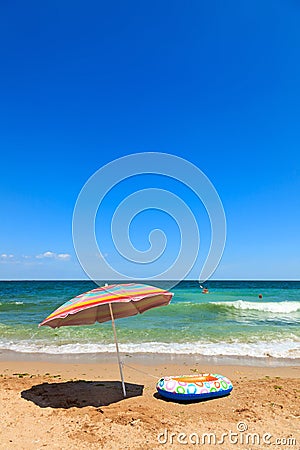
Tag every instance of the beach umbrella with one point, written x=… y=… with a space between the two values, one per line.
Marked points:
x=106 y=303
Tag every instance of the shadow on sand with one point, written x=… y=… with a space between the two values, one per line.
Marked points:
x=80 y=393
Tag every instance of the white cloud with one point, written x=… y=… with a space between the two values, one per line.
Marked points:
x=5 y=256
x=53 y=255
x=63 y=256
x=46 y=255
x=25 y=260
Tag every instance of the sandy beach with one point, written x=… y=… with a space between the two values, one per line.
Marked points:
x=77 y=405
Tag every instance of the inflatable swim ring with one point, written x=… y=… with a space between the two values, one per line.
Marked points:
x=194 y=387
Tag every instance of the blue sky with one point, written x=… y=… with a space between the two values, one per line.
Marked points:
x=216 y=83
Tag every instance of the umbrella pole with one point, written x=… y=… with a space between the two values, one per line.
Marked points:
x=117 y=347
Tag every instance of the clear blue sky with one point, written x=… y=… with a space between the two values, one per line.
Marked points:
x=83 y=83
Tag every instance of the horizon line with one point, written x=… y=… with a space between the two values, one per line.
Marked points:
x=145 y=280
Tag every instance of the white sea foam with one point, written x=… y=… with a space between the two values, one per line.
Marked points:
x=285 y=348
x=12 y=303
x=273 y=307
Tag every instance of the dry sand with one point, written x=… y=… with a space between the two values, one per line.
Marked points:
x=78 y=406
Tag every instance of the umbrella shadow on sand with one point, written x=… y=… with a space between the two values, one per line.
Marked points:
x=80 y=393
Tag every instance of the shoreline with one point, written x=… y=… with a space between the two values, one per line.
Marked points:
x=148 y=359
x=146 y=369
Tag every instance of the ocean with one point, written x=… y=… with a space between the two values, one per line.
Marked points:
x=231 y=321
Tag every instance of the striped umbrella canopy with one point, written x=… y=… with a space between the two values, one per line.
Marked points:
x=106 y=303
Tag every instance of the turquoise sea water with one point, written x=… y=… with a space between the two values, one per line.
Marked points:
x=231 y=320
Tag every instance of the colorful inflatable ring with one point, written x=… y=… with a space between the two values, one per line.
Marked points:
x=194 y=387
